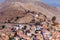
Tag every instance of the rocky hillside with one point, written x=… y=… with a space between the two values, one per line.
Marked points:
x=18 y=10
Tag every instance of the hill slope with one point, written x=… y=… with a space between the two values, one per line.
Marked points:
x=13 y=8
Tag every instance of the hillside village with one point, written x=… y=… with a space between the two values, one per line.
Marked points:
x=24 y=20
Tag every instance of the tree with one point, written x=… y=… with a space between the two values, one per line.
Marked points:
x=53 y=19
x=17 y=18
x=3 y=26
x=11 y=38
